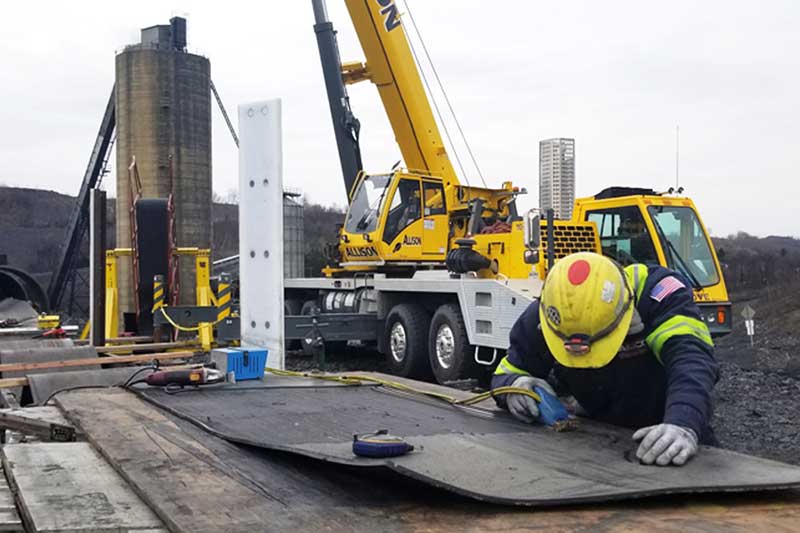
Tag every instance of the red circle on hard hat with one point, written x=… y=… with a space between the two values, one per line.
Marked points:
x=578 y=271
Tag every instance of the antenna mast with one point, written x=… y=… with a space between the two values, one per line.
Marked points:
x=677 y=155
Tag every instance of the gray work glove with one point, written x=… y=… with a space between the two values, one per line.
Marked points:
x=665 y=444
x=523 y=407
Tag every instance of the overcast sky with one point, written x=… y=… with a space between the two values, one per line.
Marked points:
x=617 y=76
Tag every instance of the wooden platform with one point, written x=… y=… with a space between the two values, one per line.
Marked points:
x=68 y=487
x=9 y=518
x=196 y=482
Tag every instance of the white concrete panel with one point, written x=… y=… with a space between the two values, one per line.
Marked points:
x=261 y=228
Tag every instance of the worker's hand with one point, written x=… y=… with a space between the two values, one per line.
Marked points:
x=665 y=444
x=523 y=407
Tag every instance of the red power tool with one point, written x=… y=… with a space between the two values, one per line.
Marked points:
x=185 y=377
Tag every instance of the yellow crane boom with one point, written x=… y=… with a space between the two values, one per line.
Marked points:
x=391 y=67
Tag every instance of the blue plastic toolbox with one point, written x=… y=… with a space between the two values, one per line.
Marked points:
x=245 y=363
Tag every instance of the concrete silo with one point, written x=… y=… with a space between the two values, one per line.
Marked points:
x=163 y=108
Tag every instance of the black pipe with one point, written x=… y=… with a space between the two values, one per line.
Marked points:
x=97 y=245
x=475 y=217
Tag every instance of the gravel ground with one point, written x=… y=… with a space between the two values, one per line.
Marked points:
x=353 y=358
x=756 y=411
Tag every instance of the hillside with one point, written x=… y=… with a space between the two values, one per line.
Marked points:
x=33 y=224
x=751 y=263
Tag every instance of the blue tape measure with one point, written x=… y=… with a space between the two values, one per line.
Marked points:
x=380 y=445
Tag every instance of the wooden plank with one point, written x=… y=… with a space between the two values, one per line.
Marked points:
x=42 y=356
x=69 y=487
x=47 y=423
x=181 y=479
x=6 y=497
x=10 y=520
x=145 y=347
x=9 y=517
x=10 y=383
x=49 y=413
x=129 y=340
x=163 y=356
x=118 y=340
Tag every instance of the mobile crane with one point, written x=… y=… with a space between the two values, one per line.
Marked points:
x=437 y=272
x=403 y=220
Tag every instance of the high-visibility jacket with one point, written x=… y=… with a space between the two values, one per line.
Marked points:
x=664 y=374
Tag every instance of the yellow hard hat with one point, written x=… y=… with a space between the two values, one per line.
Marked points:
x=585 y=310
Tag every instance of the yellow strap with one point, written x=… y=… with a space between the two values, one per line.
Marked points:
x=184 y=328
x=361 y=380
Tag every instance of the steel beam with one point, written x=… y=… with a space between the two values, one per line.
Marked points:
x=77 y=223
x=97 y=267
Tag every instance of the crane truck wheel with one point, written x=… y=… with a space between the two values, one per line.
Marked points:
x=406 y=341
x=451 y=355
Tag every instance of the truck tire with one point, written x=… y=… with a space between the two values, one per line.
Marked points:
x=406 y=341
x=292 y=307
x=451 y=355
x=331 y=347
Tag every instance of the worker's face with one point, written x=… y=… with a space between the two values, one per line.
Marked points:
x=632 y=227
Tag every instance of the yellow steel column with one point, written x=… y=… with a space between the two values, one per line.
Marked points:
x=112 y=293
x=204 y=295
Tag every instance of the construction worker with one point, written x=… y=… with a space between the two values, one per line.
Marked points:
x=628 y=344
x=640 y=246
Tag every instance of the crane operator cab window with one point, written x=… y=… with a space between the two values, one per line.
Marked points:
x=367 y=204
x=405 y=208
x=434 y=198
x=623 y=235
x=685 y=243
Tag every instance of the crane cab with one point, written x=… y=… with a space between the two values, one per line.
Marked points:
x=641 y=226
x=395 y=219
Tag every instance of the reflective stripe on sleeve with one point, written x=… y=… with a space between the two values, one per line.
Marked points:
x=677 y=325
x=506 y=367
x=637 y=276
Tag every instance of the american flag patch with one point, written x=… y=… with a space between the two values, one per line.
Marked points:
x=665 y=287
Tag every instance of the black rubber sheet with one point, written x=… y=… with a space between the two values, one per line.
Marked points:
x=477 y=453
x=152 y=220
